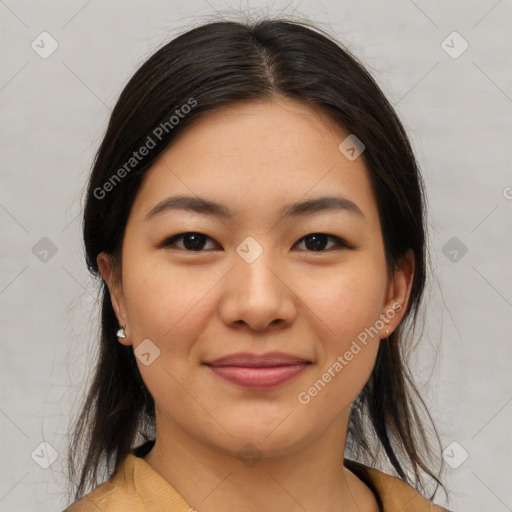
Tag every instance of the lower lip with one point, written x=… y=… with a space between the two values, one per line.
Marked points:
x=258 y=378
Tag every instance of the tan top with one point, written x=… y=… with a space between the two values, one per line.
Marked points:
x=137 y=487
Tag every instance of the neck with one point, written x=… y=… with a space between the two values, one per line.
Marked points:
x=211 y=478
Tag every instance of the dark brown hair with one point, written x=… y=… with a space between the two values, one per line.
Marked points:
x=210 y=66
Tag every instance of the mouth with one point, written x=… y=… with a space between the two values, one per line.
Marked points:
x=255 y=371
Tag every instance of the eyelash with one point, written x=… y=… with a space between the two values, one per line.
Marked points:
x=170 y=242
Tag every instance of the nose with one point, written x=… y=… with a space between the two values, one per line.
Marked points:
x=256 y=294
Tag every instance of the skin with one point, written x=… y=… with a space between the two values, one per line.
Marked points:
x=254 y=157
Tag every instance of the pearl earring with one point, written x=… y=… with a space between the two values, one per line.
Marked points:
x=121 y=334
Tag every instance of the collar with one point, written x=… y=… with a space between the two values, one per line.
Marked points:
x=392 y=493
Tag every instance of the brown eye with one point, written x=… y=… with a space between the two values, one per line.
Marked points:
x=316 y=242
x=191 y=241
x=195 y=242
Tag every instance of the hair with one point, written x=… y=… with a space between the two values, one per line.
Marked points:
x=211 y=66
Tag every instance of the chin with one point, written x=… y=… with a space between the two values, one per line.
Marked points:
x=259 y=439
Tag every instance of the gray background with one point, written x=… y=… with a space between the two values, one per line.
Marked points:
x=457 y=112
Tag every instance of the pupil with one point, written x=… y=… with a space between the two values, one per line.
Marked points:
x=197 y=241
x=318 y=240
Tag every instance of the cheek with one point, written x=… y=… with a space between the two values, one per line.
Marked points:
x=170 y=306
x=346 y=302
x=345 y=307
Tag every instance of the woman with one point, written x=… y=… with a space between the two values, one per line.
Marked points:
x=256 y=215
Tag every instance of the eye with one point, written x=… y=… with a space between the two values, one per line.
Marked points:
x=195 y=242
x=317 y=241
x=192 y=241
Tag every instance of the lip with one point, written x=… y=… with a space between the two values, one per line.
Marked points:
x=258 y=371
x=250 y=360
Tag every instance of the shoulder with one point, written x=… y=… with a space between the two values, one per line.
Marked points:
x=107 y=497
x=392 y=492
x=117 y=494
x=134 y=487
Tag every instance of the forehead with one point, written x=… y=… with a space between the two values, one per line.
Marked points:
x=281 y=123
x=258 y=154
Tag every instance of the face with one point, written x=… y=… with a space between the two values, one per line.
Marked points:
x=255 y=275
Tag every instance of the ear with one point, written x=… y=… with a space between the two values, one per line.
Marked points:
x=116 y=291
x=398 y=292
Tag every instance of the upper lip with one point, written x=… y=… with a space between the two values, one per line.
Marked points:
x=257 y=360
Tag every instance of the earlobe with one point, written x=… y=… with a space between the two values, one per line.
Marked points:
x=116 y=295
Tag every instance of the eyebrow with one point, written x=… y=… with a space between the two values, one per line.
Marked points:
x=206 y=207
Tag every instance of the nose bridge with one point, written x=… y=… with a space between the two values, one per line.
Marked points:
x=256 y=269
x=255 y=294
